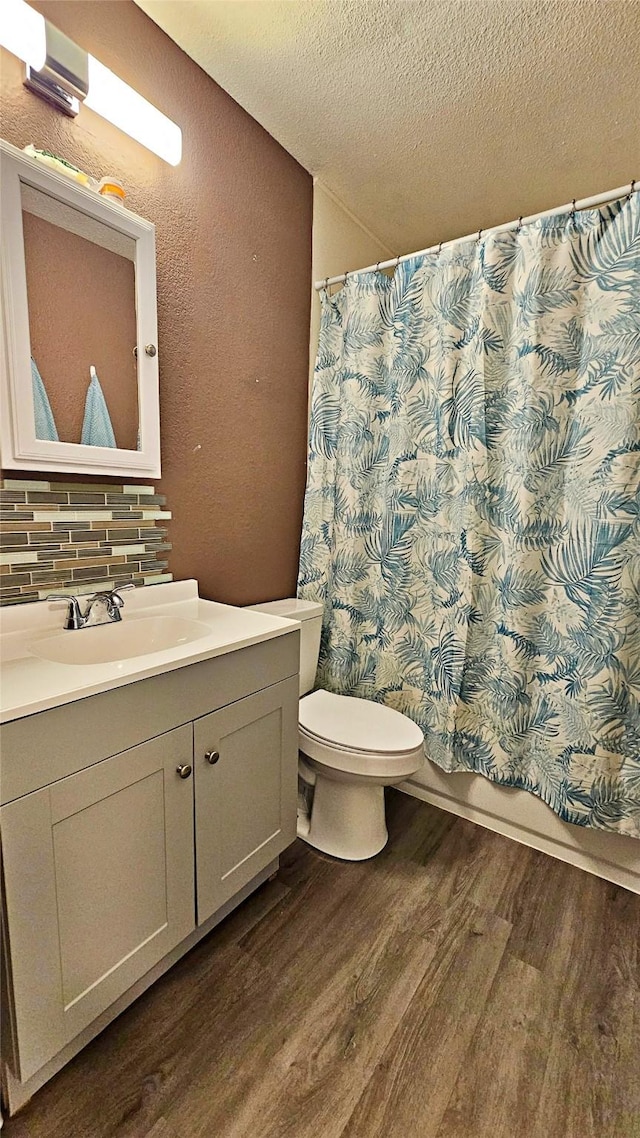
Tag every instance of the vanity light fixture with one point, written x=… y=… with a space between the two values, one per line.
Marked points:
x=66 y=75
x=22 y=33
x=110 y=97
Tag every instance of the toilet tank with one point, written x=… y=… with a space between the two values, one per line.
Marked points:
x=309 y=613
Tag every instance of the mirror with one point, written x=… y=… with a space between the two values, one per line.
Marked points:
x=82 y=315
x=80 y=377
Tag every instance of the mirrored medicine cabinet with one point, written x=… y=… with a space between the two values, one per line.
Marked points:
x=79 y=378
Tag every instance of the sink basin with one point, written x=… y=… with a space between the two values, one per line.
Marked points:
x=108 y=643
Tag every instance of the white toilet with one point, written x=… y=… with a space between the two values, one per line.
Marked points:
x=349 y=750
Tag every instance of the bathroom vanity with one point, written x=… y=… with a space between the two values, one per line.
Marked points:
x=143 y=797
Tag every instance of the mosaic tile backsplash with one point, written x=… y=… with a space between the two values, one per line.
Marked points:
x=73 y=538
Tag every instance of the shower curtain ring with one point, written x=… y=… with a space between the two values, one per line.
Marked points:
x=632 y=189
x=573 y=209
x=439 y=249
x=479 y=237
x=519 y=225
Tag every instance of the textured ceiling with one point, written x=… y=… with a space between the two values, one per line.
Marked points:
x=431 y=118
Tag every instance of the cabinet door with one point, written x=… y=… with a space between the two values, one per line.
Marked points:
x=99 y=886
x=245 y=798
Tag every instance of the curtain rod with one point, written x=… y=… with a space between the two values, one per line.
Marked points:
x=571 y=207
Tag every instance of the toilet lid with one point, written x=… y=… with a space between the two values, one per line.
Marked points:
x=358 y=724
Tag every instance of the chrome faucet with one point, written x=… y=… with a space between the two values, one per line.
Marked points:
x=110 y=600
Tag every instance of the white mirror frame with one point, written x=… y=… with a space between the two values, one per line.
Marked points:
x=19 y=447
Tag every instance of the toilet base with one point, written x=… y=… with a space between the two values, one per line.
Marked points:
x=347 y=819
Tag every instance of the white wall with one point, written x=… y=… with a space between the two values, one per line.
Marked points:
x=341 y=244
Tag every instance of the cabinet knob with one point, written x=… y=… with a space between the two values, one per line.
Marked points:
x=184 y=771
x=212 y=757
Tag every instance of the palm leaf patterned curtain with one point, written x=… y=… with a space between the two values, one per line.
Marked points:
x=472 y=515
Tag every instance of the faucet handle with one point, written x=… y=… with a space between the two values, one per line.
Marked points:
x=74 y=616
x=114 y=600
x=117 y=589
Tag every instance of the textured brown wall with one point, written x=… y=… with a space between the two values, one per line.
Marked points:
x=233 y=234
x=82 y=311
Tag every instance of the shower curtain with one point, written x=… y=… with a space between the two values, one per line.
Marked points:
x=472 y=514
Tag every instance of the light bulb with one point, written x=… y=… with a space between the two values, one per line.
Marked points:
x=125 y=108
x=22 y=32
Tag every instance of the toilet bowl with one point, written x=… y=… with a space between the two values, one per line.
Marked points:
x=349 y=750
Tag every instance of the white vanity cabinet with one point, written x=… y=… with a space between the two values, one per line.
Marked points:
x=244 y=793
x=113 y=807
x=99 y=879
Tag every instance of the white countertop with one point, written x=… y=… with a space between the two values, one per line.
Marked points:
x=29 y=684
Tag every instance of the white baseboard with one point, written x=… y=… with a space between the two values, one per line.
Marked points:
x=522 y=816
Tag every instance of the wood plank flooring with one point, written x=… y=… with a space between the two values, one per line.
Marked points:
x=457 y=986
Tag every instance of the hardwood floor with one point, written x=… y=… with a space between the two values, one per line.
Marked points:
x=457 y=986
